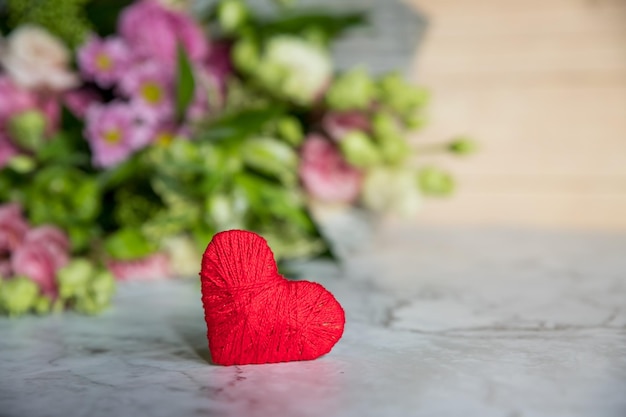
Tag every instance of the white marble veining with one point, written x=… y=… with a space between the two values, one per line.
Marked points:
x=439 y=323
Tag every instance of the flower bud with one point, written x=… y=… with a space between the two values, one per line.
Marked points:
x=359 y=150
x=232 y=14
x=395 y=149
x=102 y=287
x=42 y=305
x=22 y=164
x=27 y=129
x=290 y=129
x=385 y=125
x=353 y=90
x=245 y=55
x=73 y=278
x=400 y=96
x=436 y=182
x=18 y=295
x=462 y=146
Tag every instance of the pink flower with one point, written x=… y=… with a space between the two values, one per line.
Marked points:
x=14 y=100
x=325 y=174
x=43 y=251
x=153 y=32
x=54 y=239
x=13 y=228
x=150 y=268
x=150 y=90
x=7 y=150
x=337 y=125
x=104 y=60
x=113 y=133
x=78 y=101
x=35 y=261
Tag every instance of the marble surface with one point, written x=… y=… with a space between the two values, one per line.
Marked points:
x=439 y=323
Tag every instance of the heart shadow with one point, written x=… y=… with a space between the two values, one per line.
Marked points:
x=303 y=388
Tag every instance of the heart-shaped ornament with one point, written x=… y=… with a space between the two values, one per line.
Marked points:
x=253 y=314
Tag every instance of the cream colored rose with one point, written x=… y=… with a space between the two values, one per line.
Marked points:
x=183 y=254
x=36 y=60
x=392 y=190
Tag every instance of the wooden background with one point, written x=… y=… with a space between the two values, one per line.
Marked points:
x=542 y=85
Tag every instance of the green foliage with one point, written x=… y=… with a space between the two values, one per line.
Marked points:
x=128 y=243
x=64 y=18
x=62 y=196
x=85 y=287
x=302 y=22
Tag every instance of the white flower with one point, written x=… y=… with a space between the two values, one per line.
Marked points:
x=298 y=69
x=183 y=254
x=36 y=60
x=392 y=190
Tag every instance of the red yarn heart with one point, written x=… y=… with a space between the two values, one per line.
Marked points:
x=253 y=314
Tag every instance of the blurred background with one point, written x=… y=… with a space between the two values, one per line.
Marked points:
x=541 y=84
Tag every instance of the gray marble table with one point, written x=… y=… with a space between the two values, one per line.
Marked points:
x=439 y=323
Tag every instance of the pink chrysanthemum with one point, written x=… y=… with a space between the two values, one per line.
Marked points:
x=154 y=32
x=150 y=90
x=104 y=60
x=113 y=133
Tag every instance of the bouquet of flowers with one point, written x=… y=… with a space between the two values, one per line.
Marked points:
x=131 y=132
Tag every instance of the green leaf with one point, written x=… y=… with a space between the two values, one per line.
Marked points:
x=302 y=22
x=272 y=157
x=240 y=125
x=121 y=173
x=127 y=244
x=185 y=83
x=65 y=148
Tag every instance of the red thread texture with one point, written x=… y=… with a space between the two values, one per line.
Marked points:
x=253 y=314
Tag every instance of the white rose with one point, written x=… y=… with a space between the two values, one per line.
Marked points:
x=300 y=70
x=392 y=190
x=183 y=255
x=36 y=60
